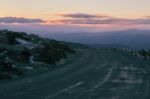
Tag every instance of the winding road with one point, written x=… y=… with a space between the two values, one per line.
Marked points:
x=92 y=74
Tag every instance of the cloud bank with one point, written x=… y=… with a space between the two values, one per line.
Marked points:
x=91 y=19
x=77 y=21
x=82 y=15
x=19 y=20
x=80 y=19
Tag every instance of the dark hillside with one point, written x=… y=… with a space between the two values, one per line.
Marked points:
x=22 y=48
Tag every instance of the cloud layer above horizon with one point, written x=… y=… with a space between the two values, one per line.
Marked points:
x=91 y=19
x=81 y=19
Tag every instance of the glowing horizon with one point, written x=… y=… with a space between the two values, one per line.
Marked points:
x=117 y=13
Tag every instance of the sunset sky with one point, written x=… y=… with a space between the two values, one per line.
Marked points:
x=73 y=15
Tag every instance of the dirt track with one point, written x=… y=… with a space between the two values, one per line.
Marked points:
x=94 y=74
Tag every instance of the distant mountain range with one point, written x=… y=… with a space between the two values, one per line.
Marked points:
x=139 y=39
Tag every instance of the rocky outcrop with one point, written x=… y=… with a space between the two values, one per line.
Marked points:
x=8 y=69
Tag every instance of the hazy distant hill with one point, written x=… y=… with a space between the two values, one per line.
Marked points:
x=132 y=38
x=109 y=46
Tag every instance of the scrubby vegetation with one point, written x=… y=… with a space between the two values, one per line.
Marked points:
x=8 y=69
x=52 y=51
x=140 y=53
x=12 y=36
x=145 y=54
x=20 y=47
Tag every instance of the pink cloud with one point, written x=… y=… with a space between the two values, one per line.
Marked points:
x=74 y=22
x=91 y=19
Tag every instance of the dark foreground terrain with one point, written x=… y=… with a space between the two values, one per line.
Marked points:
x=90 y=74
